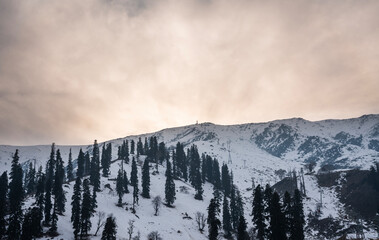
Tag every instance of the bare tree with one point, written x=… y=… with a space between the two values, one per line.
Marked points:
x=154 y=236
x=200 y=220
x=157 y=202
x=130 y=228
x=138 y=237
x=100 y=221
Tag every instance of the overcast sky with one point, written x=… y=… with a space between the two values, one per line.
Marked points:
x=73 y=71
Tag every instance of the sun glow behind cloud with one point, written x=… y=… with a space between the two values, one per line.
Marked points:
x=72 y=71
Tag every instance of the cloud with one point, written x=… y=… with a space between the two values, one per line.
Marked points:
x=72 y=71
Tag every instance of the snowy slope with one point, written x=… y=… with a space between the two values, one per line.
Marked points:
x=257 y=150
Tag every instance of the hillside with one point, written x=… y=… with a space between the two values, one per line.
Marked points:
x=257 y=150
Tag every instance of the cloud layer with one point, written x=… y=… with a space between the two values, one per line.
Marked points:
x=72 y=71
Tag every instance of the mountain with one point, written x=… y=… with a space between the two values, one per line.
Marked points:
x=258 y=151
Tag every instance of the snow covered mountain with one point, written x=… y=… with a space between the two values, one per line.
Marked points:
x=256 y=150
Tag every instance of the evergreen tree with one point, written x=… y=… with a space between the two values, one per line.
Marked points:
x=139 y=147
x=119 y=187
x=267 y=196
x=145 y=179
x=198 y=186
x=132 y=147
x=209 y=168
x=146 y=147
x=76 y=208
x=287 y=211
x=216 y=174
x=30 y=182
x=40 y=191
x=110 y=229
x=86 y=210
x=125 y=183
x=297 y=227
x=16 y=197
x=93 y=201
x=175 y=170
x=54 y=220
x=133 y=173
x=59 y=194
x=36 y=222
x=258 y=209
x=242 y=233
x=277 y=220
x=95 y=167
x=234 y=208
x=87 y=164
x=3 y=202
x=194 y=160
x=169 y=186
x=50 y=167
x=162 y=152
x=106 y=158
x=31 y=226
x=225 y=179
x=203 y=167
x=27 y=230
x=135 y=195
x=212 y=220
x=70 y=168
x=226 y=218
x=81 y=160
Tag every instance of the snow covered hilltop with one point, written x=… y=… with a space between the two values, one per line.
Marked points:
x=330 y=152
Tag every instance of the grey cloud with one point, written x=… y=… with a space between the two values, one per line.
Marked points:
x=72 y=71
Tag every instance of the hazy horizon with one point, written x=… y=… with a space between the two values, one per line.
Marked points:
x=73 y=71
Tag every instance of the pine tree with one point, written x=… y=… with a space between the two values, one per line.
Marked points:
x=119 y=187
x=198 y=186
x=145 y=179
x=212 y=220
x=110 y=229
x=54 y=220
x=106 y=158
x=59 y=194
x=225 y=179
x=209 y=168
x=234 y=208
x=216 y=174
x=258 y=209
x=30 y=182
x=27 y=230
x=125 y=183
x=40 y=191
x=95 y=167
x=203 y=167
x=139 y=148
x=277 y=220
x=16 y=197
x=133 y=173
x=239 y=203
x=81 y=160
x=93 y=201
x=146 y=147
x=297 y=227
x=36 y=222
x=135 y=195
x=169 y=186
x=287 y=211
x=132 y=147
x=3 y=202
x=86 y=211
x=242 y=233
x=162 y=152
x=76 y=208
x=87 y=164
x=50 y=167
x=70 y=168
x=226 y=218
x=194 y=160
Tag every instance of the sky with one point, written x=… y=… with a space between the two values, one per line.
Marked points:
x=74 y=71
